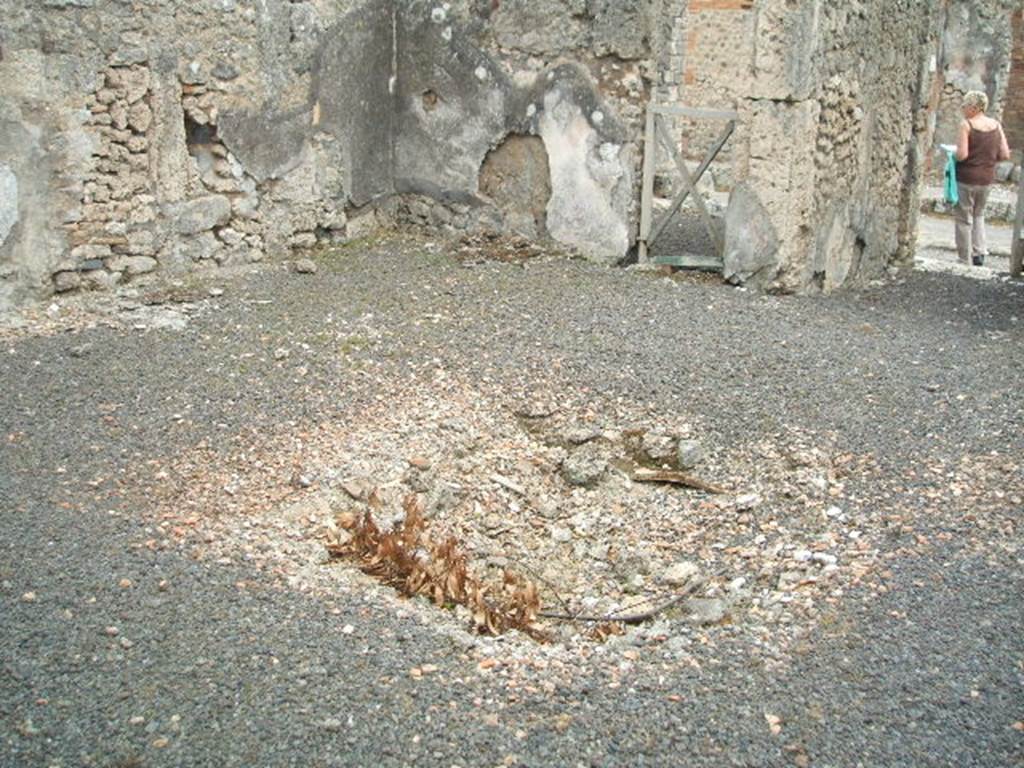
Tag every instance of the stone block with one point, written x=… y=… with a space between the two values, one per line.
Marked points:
x=132 y=265
x=135 y=82
x=83 y=254
x=66 y=281
x=140 y=117
x=751 y=242
x=201 y=214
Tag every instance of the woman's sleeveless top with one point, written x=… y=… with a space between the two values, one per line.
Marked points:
x=979 y=169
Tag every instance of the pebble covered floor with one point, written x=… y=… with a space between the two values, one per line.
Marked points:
x=172 y=460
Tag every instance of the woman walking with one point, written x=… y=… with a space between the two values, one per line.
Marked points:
x=980 y=145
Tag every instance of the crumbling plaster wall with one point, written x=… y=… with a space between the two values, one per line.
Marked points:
x=573 y=73
x=185 y=136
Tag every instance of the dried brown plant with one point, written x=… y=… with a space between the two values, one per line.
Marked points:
x=409 y=559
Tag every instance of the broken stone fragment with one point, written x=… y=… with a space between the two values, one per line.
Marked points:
x=704 y=611
x=561 y=535
x=584 y=467
x=305 y=267
x=679 y=574
x=357 y=488
x=418 y=462
x=689 y=453
x=201 y=214
x=788 y=580
x=747 y=501
x=823 y=558
x=66 y=281
x=578 y=435
x=303 y=240
x=657 y=446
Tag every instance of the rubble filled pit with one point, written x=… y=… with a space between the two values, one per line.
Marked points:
x=543 y=487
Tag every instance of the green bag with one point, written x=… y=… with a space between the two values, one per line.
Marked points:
x=950 y=191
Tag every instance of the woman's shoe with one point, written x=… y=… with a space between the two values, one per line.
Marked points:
x=978 y=261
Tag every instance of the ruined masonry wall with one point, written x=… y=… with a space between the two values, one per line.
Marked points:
x=831 y=162
x=181 y=137
x=167 y=138
x=114 y=136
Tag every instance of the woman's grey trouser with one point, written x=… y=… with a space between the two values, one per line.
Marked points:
x=970 y=222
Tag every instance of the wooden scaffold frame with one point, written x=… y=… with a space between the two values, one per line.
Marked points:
x=655 y=134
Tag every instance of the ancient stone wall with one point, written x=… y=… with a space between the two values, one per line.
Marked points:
x=190 y=135
x=171 y=137
x=834 y=137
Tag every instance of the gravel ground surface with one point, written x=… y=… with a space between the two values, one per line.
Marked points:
x=166 y=470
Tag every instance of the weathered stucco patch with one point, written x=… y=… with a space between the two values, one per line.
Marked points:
x=584 y=171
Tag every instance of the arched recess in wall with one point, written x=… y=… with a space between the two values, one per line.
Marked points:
x=516 y=178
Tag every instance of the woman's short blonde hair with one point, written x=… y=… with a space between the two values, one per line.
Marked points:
x=976 y=99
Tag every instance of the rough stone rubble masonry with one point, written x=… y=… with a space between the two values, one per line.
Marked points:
x=179 y=136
